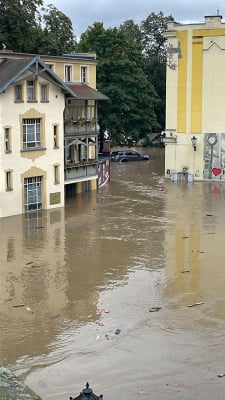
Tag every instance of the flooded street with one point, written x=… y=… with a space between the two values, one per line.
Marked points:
x=133 y=257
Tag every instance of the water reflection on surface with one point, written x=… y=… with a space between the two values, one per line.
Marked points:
x=140 y=242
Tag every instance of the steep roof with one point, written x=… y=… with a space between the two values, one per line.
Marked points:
x=85 y=92
x=11 y=70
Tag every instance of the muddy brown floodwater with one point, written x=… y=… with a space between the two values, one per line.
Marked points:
x=131 y=258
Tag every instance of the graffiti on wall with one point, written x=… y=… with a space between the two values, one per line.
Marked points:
x=214 y=156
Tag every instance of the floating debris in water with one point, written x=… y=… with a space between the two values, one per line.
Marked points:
x=221 y=375
x=195 y=304
x=55 y=316
x=154 y=309
x=142 y=391
x=117 y=331
x=19 y=305
x=100 y=323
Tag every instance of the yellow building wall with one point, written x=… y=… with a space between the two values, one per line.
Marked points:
x=198 y=83
x=213 y=99
x=197 y=75
x=59 y=68
x=196 y=86
x=182 y=83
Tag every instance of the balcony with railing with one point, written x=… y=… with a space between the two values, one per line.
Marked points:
x=73 y=127
x=80 y=170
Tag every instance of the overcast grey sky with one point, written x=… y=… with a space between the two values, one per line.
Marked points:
x=113 y=12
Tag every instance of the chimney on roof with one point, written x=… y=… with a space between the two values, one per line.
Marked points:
x=213 y=19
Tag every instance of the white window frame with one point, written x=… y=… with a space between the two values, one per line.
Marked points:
x=31 y=90
x=7 y=140
x=44 y=92
x=31 y=133
x=19 y=92
x=33 y=193
x=55 y=136
x=8 y=181
x=56 y=174
x=84 y=74
x=68 y=73
x=51 y=66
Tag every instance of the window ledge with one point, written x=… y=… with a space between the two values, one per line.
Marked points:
x=8 y=151
x=9 y=190
x=32 y=149
x=32 y=101
x=19 y=101
x=56 y=147
x=56 y=183
x=44 y=101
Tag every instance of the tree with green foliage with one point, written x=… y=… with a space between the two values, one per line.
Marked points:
x=133 y=30
x=130 y=110
x=58 y=32
x=19 y=22
x=153 y=40
x=154 y=55
x=26 y=26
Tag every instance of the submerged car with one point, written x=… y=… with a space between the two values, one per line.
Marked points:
x=128 y=155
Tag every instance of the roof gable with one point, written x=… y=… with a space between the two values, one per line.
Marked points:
x=12 y=69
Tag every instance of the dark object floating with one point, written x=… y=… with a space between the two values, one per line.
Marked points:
x=87 y=393
x=154 y=309
x=117 y=331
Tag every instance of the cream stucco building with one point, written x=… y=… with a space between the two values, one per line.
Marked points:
x=194 y=136
x=31 y=148
x=49 y=130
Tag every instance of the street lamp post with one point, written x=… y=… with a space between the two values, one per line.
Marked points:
x=87 y=394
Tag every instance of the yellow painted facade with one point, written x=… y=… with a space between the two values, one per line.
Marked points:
x=182 y=84
x=59 y=64
x=196 y=86
x=195 y=101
